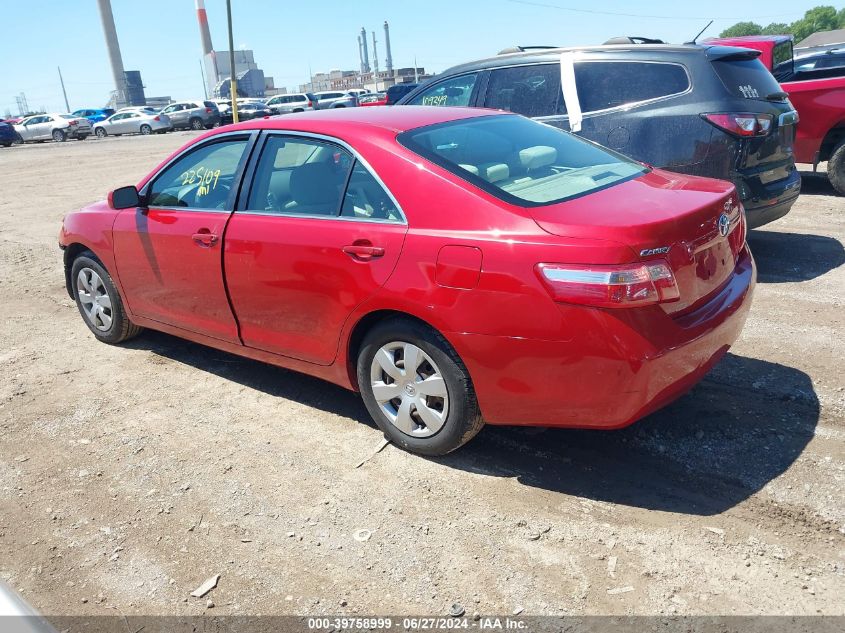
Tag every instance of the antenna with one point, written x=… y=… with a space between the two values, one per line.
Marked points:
x=699 y=33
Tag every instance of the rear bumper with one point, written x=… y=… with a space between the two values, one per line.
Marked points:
x=765 y=203
x=629 y=366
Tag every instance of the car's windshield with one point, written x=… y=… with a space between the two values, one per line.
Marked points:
x=520 y=161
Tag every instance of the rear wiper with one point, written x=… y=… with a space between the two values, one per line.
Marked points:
x=777 y=96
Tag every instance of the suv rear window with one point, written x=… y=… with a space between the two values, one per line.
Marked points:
x=612 y=84
x=520 y=161
x=746 y=78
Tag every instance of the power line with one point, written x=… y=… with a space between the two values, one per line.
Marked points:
x=641 y=15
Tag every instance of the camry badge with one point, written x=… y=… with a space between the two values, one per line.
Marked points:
x=724 y=224
x=654 y=251
x=728 y=204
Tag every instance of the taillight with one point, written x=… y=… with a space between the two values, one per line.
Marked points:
x=74 y=122
x=742 y=123
x=622 y=286
x=208 y=110
x=156 y=118
x=310 y=104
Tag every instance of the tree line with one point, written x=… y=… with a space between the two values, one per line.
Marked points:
x=823 y=18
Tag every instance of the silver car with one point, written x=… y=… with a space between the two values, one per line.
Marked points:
x=133 y=122
x=299 y=102
x=194 y=115
x=59 y=127
x=336 y=99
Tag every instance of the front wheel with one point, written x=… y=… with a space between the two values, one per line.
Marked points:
x=416 y=388
x=146 y=130
x=99 y=302
x=59 y=136
x=101 y=133
x=836 y=169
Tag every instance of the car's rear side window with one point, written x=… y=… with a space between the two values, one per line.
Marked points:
x=520 y=161
x=532 y=90
x=455 y=91
x=603 y=85
x=746 y=78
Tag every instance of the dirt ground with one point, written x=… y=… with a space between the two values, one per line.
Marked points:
x=130 y=474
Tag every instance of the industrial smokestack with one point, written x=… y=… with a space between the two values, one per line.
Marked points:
x=366 y=66
x=114 y=52
x=388 y=61
x=375 y=54
x=212 y=76
x=361 y=54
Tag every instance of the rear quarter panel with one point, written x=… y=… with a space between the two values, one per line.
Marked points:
x=821 y=107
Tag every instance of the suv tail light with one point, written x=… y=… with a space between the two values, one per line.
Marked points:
x=208 y=110
x=622 y=286
x=73 y=122
x=156 y=118
x=310 y=104
x=742 y=123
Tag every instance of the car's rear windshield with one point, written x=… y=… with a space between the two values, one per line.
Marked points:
x=746 y=78
x=520 y=161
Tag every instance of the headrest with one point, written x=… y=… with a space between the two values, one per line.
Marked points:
x=537 y=156
x=494 y=172
x=311 y=183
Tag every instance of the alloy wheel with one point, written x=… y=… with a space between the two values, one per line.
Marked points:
x=409 y=388
x=94 y=298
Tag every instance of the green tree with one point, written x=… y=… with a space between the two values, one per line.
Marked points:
x=777 y=28
x=824 y=18
x=742 y=28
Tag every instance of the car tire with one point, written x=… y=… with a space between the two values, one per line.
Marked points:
x=101 y=133
x=836 y=168
x=7 y=144
x=299 y=110
x=106 y=318
x=197 y=124
x=146 y=130
x=82 y=138
x=426 y=424
x=59 y=136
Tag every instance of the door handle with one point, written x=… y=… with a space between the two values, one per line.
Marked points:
x=205 y=238
x=363 y=252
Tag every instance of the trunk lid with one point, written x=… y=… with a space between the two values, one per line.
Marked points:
x=662 y=215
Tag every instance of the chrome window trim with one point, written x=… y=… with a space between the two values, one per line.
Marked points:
x=627 y=106
x=355 y=154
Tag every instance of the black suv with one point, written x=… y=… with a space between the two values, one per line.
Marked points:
x=703 y=110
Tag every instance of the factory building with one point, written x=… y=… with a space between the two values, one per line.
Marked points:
x=368 y=77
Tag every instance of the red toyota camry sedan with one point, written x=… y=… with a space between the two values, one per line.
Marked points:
x=456 y=266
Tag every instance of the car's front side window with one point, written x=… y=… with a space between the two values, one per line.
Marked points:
x=456 y=91
x=201 y=179
x=301 y=176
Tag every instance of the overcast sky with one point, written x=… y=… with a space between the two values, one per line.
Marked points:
x=161 y=38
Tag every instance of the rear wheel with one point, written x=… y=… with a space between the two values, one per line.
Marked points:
x=836 y=168
x=416 y=388
x=59 y=136
x=196 y=124
x=7 y=144
x=99 y=302
x=101 y=133
x=146 y=129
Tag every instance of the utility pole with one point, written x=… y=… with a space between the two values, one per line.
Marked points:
x=202 y=76
x=64 y=92
x=233 y=79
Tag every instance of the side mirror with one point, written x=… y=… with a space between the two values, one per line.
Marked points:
x=124 y=198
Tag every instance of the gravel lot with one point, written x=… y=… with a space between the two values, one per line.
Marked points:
x=129 y=475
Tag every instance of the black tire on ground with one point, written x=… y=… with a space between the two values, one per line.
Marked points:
x=299 y=110
x=101 y=133
x=463 y=419
x=82 y=138
x=146 y=129
x=7 y=144
x=197 y=124
x=836 y=168
x=121 y=328
x=59 y=136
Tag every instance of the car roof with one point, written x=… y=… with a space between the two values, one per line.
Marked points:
x=391 y=119
x=546 y=55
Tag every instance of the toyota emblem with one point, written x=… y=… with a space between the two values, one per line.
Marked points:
x=724 y=224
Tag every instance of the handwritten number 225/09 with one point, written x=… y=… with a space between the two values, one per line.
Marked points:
x=207 y=179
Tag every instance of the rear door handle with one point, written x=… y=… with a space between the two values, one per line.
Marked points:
x=205 y=238
x=363 y=252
